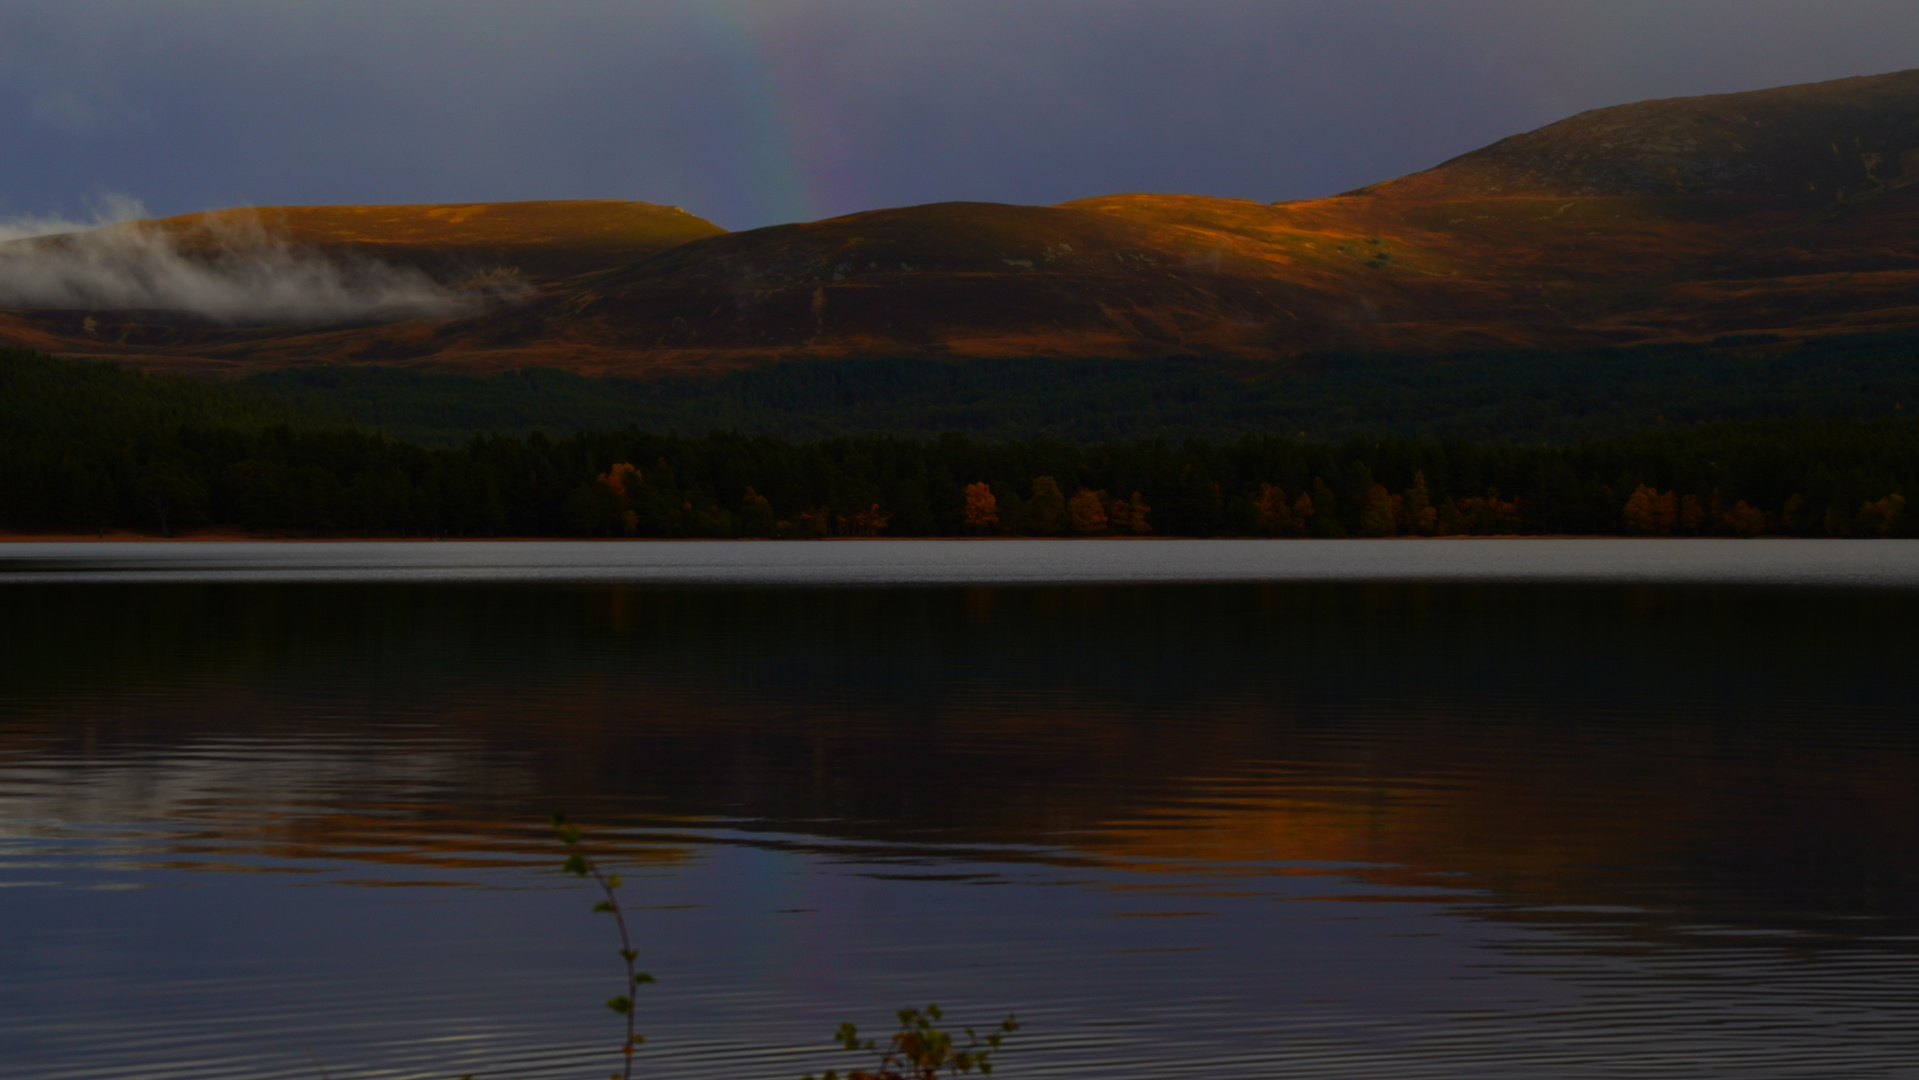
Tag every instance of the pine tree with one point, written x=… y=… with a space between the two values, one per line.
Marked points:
x=1376 y=517
x=1046 y=512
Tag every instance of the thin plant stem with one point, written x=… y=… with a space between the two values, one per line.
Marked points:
x=579 y=864
x=626 y=953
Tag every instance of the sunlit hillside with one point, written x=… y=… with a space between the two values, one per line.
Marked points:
x=1789 y=212
x=540 y=240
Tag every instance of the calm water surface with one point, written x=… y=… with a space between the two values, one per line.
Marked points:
x=1584 y=809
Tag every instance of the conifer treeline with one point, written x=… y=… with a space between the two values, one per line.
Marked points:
x=1800 y=478
x=114 y=460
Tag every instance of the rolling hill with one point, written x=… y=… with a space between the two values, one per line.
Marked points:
x=540 y=241
x=1792 y=212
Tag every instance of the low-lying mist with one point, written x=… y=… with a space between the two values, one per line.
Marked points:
x=233 y=269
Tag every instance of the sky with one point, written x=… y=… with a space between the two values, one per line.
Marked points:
x=756 y=112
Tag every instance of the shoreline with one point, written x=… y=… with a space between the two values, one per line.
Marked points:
x=234 y=536
x=885 y=563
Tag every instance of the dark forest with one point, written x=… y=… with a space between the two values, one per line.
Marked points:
x=87 y=448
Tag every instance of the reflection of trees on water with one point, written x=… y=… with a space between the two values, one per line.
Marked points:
x=1699 y=754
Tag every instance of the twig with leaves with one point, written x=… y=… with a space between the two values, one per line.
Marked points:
x=920 y=1051
x=579 y=864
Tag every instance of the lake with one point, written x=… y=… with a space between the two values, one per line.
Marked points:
x=1284 y=809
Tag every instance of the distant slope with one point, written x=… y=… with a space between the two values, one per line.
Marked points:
x=1830 y=141
x=1791 y=211
x=950 y=279
x=499 y=248
x=542 y=240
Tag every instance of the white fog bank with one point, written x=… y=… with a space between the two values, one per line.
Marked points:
x=233 y=271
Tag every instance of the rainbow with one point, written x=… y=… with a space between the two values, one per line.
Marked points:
x=774 y=179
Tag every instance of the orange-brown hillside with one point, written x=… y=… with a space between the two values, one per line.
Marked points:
x=541 y=241
x=1793 y=211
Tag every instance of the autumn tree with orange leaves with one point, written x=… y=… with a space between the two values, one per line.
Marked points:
x=1648 y=512
x=870 y=521
x=1740 y=519
x=982 y=509
x=1086 y=512
x=1273 y=516
x=1128 y=515
x=1879 y=518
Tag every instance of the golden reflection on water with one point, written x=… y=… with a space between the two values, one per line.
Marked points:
x=1618 y=772
x=1610 y=812
x=1532 y=735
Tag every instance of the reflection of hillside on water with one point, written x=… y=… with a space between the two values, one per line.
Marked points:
x=1696 y=756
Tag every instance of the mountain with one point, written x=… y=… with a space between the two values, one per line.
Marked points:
x=541 y=241
x=209 y=290
x=1791 y=212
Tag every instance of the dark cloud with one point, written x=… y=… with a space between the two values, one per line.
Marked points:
x=762 y=110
